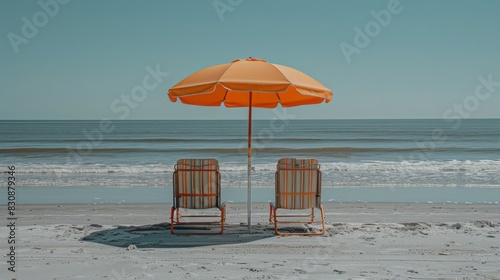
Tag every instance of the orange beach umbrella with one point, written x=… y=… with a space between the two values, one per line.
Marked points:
x=249 y=83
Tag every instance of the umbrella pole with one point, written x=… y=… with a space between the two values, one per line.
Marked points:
x=249 y=167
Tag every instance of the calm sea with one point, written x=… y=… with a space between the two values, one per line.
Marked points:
x=352 y=153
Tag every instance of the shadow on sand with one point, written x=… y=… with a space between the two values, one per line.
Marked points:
x=159 y=236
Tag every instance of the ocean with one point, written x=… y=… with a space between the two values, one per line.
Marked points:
x=394 y=155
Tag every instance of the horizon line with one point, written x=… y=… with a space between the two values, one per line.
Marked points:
x=3 y=120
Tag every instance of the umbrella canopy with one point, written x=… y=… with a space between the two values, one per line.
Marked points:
x=249 y=83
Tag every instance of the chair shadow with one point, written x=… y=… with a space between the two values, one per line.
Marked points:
x=159 y=236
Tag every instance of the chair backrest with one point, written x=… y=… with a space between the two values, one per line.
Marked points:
x=298 y=183
x=197 y=184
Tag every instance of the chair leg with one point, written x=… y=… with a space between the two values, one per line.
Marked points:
x=172 y=211
x=270 y=212
x=275 y=221
x=272 y=217
x=223 y=218
x=322 y=211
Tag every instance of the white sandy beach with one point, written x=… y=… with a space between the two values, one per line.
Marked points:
x=363 y=241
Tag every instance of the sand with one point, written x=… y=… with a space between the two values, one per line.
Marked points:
x=363 y=241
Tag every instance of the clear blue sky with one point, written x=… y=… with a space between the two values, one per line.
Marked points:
x=85 y=56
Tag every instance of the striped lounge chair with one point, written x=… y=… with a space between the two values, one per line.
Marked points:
x=298 y=187
x=197 y=185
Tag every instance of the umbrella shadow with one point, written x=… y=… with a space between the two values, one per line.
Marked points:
x=159 y=236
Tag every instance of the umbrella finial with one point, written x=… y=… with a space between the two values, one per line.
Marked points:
x=249 y=59
x=255 y=59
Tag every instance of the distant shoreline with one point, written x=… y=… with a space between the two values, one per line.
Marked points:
x=242 y=120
